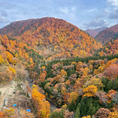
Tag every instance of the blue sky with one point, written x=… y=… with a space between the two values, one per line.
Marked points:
x=85 y=14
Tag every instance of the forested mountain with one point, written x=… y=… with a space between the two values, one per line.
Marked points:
x=49 y=68
x=53 y=38
x=94 y=32
x=108 y=34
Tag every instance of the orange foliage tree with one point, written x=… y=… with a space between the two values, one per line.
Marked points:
x=112 y=71
x=113 y=114
x=42 y=76
x=42 y=106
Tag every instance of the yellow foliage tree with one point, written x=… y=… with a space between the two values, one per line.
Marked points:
x=12 y=70
x=1 y=59
x=63 y=73
x=85 y=71
x=86 y=116
x=113 y=114
x=90 y=91
x=72 y=97
x=42 y=106
x=99 y=70
x=10 y=57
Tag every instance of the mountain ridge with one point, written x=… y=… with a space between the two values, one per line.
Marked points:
x=108 y=34
x=94 y=32
x=52 y=37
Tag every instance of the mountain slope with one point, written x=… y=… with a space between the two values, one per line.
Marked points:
x=108 y=34
x=53 y=38
x=80 y=87
x=94 y=32
x=110 y=48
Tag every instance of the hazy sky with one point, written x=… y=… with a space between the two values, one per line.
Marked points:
x=83 y=13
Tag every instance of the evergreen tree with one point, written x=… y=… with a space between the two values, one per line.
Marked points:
x=77 y=112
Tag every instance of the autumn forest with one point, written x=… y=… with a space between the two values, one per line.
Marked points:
x=49 y=68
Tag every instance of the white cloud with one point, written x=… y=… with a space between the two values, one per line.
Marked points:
x=3 y=19
x=113 y=2
x=68 y=11
x=64 y=10
x=96 y=23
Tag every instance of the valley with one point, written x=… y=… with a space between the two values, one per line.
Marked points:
x=49 y=68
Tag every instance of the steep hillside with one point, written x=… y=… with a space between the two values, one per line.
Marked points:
x=108 y=34
x=94 y=32
x=52 y=38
